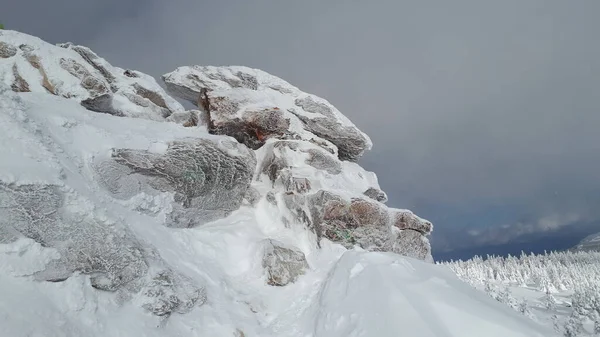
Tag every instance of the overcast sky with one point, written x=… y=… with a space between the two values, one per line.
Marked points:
x=485 y=115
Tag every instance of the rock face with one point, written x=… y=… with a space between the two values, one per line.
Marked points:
x=50 y=149
x=253 y=106
x=168 y=292
x=76 y=72
x=282 y=264
x=208 y=179
x=106 y=251
x=36 y=212
x=362 y=222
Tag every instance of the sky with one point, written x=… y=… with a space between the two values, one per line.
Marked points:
x=485 y=115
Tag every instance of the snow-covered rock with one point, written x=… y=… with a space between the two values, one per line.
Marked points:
x=28 y=64
x=178 y=223
x=253 y=106
x=51 y=192
x=208 y=178
x=282 y=263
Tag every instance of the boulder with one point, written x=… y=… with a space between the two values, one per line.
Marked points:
x=189 y=118
x=7 y=50
x=294 y=165
x=376 y=194
x=360 y=222
x=19 y=84
x=405 y=219
x=209 y=178
x=252 y=106
x=105 y=250
x=168 y=292
x=283 y=264
x=412 y=244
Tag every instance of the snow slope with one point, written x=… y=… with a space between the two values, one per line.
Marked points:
x=93 y=263
x=590 y=242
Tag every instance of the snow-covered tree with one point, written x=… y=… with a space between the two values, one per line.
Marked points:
x=549 y=301
x=573 y=327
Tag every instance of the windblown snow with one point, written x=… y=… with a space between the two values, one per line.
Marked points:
x=123 y=214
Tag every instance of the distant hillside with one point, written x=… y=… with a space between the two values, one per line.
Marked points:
x=590 y=242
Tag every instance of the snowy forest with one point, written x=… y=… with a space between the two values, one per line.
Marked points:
x=561 y=289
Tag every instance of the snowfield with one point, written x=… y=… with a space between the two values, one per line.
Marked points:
x=137 y=221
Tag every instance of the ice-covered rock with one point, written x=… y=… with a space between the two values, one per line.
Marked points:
x=168 y=292
x=359 y=222
x=88 y=244
x=411 y=243
x=283 y=264
x=48 y=195
x=30 y=64
x=405 y=219
x=208 y=178
x=376 y=194
x=253 y=106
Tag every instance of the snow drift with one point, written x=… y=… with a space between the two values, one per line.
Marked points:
x=122 y=214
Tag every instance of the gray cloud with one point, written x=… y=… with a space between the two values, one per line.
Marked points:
x=470 y=104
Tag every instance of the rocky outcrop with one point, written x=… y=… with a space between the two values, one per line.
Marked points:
x=104 y=173
x=405 y=219
x=208 y=178
x=361 y=222
x=283 y=264
x=19 y=84
x=253 y=106
x=35 y=212
x=7 y=50
x=167 y=292
x=76 y=72
x=376 y=194
x=412 y=244
x=292 y=164
x=107 y=251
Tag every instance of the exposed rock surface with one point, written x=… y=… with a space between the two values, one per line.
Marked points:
x=283 y=264
x=106 y=251
x=360 y=222
x=253 y=106
x=376 y=194
x=7 y=50
x=413 y=244
x=208 y=179
x=168 y=292
x=76 y=72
